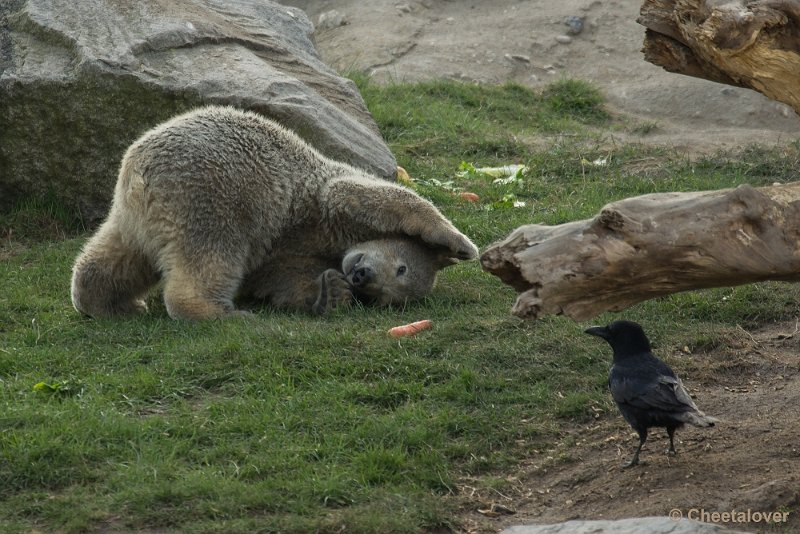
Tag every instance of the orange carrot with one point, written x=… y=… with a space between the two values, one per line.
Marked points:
x=410 y=329
x=468 y=196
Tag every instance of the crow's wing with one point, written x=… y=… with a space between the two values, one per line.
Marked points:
x=683 y=396
x=659 y=392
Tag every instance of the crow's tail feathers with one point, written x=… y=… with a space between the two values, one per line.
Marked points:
x=698 y=419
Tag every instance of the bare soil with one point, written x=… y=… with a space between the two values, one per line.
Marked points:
x=493 y=41
x=749 y=461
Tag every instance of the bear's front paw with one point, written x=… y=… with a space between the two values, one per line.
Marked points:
x=465 y=249
x=334 y=291
x=458 y=244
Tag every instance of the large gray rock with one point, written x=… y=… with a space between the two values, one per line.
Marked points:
x=79 y=81
x=636 y=525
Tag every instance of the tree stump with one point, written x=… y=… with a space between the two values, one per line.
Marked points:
x=644 y=247
x=746 y=43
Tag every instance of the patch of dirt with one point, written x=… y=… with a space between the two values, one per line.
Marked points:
x=748 y=461
x=499 y=40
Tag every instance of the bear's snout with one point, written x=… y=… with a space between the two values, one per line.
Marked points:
x=362 y=276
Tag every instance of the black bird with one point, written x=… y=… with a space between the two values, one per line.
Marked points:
x=646 y=390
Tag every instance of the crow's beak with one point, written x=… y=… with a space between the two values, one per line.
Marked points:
x=599 y=331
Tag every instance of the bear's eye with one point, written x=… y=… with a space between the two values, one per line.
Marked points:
x=401 y=270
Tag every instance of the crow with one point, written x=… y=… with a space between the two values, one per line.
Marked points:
x=646 y=390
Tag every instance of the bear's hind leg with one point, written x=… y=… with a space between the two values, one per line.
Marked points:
x=110 y=278
x=194 y=296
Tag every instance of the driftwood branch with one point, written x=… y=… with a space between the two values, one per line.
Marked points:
x=746 y=43
x=652 y=245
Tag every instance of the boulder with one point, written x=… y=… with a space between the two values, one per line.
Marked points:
x=79 y=81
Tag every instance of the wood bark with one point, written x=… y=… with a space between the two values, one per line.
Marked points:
x=652 y=245
x=746 y=43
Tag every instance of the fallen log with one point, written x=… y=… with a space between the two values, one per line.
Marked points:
x=648 y=246
x=746 y=43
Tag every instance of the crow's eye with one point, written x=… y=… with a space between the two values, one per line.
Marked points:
x=401 y=270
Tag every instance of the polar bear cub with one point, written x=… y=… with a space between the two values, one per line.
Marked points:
x=219 y=203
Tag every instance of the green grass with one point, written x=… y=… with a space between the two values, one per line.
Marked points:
x=288 y=423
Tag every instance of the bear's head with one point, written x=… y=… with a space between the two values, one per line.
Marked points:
x=392 y=270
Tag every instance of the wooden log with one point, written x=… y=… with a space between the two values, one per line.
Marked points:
x=747 y=43
x=648 y=246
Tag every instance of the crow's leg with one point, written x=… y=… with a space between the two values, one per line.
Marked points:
x=635 y=459
x=671 y=432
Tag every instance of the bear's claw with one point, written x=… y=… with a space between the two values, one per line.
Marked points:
x=334 y=291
